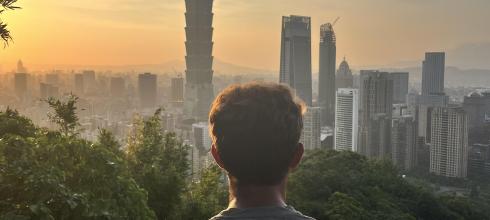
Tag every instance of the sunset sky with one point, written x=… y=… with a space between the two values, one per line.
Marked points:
x=247 y=32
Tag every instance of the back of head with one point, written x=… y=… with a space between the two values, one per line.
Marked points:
x=256 y=129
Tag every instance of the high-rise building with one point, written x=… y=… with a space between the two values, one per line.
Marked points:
x=433 y=68
x=20 y=85
x=433 y=95
x=326 y=82
x=199 y=152
x=20 y=67
x=199 y=89
x=346 y=120
x=118 y=87
x=375 y=114
x=79 y=85
x=311 y=128
x=344 y=78
x=400 y=87
x=89 y=82
x=48 y=90
x=404 y=138
x=177 y=90
x=147 y=86
x=295 y=69
x=477 y=106
x=449 y=142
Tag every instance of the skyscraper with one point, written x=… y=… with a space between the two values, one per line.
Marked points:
x=118 y=87
x=177 y=90
x=400 y=87
x=449 y=142
x=346 y=120
x=295 y=69
x=20 y=85
x=477 y=106
x=344 y=78
x=433 y=73
x=147 y=85
x=79 y=85
x=199 y=90
x=89 y=82
x=375 y=114
x=311 y=128
x=326 y=82
x=432 y=90
x=404 y=138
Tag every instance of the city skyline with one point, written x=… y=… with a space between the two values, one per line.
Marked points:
x=151 y=39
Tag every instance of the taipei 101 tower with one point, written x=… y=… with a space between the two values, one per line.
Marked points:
x=199 y=90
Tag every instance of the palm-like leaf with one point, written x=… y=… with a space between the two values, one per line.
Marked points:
x=4 y=32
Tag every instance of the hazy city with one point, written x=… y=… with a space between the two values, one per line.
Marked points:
x=396 y=124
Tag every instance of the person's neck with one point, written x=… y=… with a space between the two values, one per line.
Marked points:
x=257 y=196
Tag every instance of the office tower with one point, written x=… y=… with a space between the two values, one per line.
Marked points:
x=147 y=86
x=346 y=120
x=48 y=90
x=89 y=81
x=202 y=139
x=20 y=85
x=200 y=148
x=79 y=85
x=400 y=87
x=118 y=87
x=479 y=161
x=432 y=91
x=295 y=69
x=477 y=106
x=344 y=78
x=20 y=67
x=311 y=128
x=433 y=73
x=177 y=90
x=375 y=114
x=404 y=138
x=449 y=142
x=199 y=90
x=326 y=82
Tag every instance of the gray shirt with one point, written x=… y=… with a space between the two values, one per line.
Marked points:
x=262 y=213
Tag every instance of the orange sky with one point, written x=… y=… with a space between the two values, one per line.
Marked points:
x=247 y=32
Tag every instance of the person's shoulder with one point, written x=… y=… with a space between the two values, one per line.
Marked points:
x=266 y=213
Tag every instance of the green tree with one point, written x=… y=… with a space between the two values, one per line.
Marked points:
x=48 y=175
x=64 y=114
x=345 y=185
x=158 y=163
x=4 y=32
x=207 y=196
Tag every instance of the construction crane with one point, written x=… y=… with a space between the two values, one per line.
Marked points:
x=335 y=22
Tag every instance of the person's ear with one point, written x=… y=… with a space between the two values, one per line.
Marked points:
x=217 y=158
x=298 y=154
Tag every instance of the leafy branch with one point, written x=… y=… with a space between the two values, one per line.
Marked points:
x=4 y=32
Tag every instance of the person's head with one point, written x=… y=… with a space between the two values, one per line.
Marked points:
x=256 y=129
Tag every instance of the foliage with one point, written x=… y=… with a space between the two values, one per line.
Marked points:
x=4 y=32
x=345 y=185
x=64 y=114
x=47 y=175
x=158 y=162
x=206 y=197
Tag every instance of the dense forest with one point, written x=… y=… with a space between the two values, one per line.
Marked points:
x=55 y=174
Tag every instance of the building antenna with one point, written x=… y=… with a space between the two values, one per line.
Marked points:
x=335 y=22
